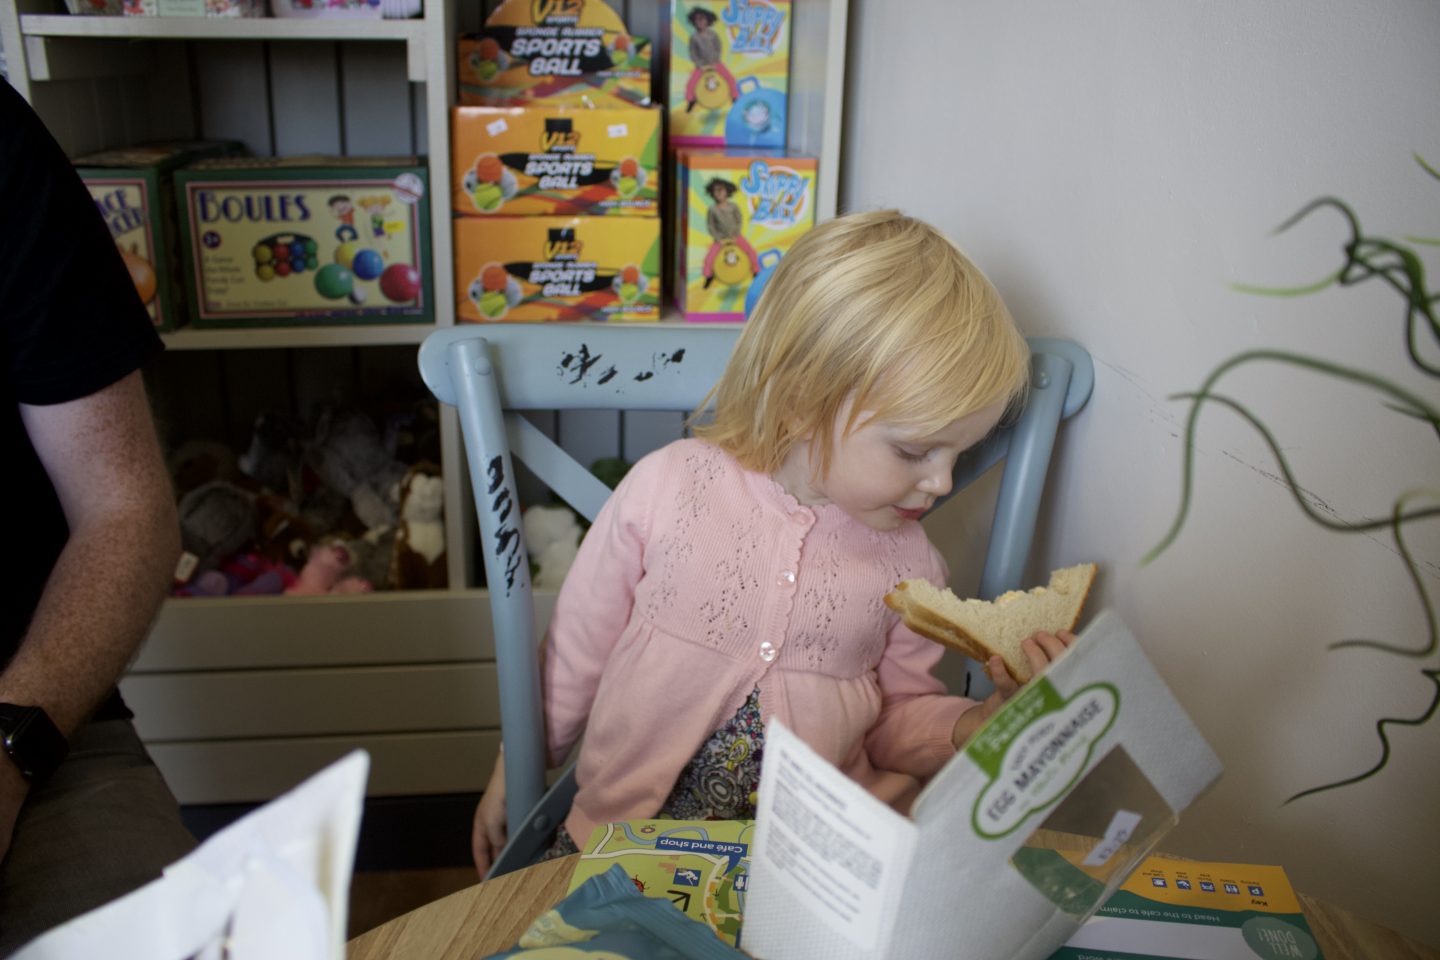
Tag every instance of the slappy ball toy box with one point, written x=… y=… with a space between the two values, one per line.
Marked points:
x=559 y=51
x=550 y=160
x=738 y=211
x=1011 y=846
x=729 y=72
x=133 y=192
x=306 y=240
x=557 y=268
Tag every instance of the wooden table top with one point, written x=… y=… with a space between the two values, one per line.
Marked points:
x=490 y=916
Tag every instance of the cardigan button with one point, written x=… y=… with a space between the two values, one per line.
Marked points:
x=767 y=651
x=786 y=577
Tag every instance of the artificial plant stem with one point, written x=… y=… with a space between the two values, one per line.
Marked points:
x=1434 y=677
x=1198 y=399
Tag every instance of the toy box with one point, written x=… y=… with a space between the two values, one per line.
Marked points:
x=326 y=9
x=306 y=240
x=194 y=8
x=549 y=160
x=133 y=192
x=729 y=72
x=737 y=212
x=557 y=268
x=94 y=8
x=562 y=51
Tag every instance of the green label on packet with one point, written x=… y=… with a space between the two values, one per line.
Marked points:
x=1034 y=749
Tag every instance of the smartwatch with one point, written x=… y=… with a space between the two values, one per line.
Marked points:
x=32 y=741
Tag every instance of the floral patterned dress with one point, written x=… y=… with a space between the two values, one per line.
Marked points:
x=721 y=782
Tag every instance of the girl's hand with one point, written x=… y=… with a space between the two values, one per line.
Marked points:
x=1039 y=651
x=487 y=836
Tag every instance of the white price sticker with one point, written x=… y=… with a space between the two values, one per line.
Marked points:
x=619 y=130
x=1122 y=828
x=185 y=567
x=496 y=127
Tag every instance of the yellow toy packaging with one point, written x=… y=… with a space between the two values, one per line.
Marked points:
x=557 y=268
x=548 y=161
x=738 y=212
x=306 y=240
x=729 y=72
x=560 y=51
x=134 y=194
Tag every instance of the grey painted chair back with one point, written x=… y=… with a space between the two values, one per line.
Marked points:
x=490 y=371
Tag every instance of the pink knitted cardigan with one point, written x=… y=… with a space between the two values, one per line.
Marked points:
x=701 y=581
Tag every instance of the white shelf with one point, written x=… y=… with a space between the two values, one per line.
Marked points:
x=50 y=39
x=261 y=338
x=218 y=28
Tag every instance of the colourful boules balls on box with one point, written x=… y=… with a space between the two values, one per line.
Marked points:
x=297 y=252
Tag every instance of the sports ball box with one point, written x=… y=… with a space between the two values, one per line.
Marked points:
x=729 y=72
x=557 y=268
x=552 y=160
x=738 y=212
x=292 y=241
x=133 y=192
x=558 y=51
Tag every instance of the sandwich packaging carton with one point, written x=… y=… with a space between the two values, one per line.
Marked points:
x=737 y=213
x=1009 y=848
x=1173 y=909
x=545 y=160
x=133 y=192
x=729 y=72
x=274 y=241
x=563 y=51
x=557 y=268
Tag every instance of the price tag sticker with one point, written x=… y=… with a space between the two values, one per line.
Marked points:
x=619 y=130
x=185 y=567
x=496 y=127
x=1122 y=828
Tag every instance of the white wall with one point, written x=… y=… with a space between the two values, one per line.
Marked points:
x=1114 y=167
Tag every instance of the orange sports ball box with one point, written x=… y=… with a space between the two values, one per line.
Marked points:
x=557 y=269
x=555 y=160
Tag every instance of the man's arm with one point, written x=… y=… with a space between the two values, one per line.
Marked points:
x=102 y=456
x=104 y=460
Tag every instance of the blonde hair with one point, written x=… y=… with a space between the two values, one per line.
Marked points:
x=878 y=308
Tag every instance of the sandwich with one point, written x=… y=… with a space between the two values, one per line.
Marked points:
x=981 y=629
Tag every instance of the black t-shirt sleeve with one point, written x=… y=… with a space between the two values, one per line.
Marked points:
x=70 y=318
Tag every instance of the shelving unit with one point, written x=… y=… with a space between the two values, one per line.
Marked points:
x=240 y=698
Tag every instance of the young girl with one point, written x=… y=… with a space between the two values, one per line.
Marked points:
x=739 y=576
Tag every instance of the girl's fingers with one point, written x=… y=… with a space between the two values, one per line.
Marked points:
x=1005 y=684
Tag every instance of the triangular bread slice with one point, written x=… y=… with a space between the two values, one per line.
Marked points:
x=981 y=629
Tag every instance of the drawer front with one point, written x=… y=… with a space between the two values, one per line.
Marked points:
x=242 y=704
x=252 y=771
x=237 y=633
